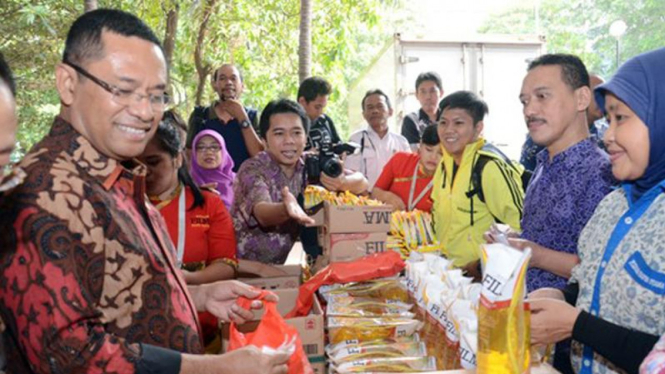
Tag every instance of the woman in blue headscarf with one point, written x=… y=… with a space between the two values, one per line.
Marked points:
x=614 y=307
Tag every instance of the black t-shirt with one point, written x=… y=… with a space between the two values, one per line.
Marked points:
x=414 y=124
x=326 y=126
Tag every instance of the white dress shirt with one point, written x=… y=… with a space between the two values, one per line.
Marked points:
x=374 y=152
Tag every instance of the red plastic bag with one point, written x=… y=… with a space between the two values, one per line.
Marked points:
x=272 y=332
x=374 y=266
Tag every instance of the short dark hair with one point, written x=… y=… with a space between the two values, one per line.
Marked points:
x=573 y=70
x=214 y=73
x=281 y=106
x=169 y=139
x=429 y=76
x=375 y=92
x=313 y=87
x=84 y=39
x=467 y=100
x=6 y=75
x=430 y=136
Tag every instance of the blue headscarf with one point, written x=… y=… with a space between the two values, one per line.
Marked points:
x=640 y=83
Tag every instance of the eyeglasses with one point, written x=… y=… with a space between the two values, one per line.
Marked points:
x=158 y=102
x=202 y=148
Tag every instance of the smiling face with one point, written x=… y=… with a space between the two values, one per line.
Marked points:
x=229 y=83
x=456 y=129
x=208 y=152
x=430 y=157
x=285 y=139
x=627 y=140
x=131 y=64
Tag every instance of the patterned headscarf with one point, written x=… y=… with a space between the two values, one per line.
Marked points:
x=222 y=175
x=640 y=83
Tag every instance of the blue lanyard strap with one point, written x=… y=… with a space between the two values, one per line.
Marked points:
x=626 y=222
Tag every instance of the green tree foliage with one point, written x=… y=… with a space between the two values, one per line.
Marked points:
x=260 y=37
x=582 y=27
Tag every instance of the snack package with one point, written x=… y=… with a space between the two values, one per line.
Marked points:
x=354 y=353
x=333 y=349
x=412 y=231
x=380 y=289
x=503 y=316
x=315 y=195
x=465 y=319
x=349 y=306
x=387 y=365
x=365 y=329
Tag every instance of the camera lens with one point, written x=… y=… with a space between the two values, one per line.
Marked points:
x=332 y=167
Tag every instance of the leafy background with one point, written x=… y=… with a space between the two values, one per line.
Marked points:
x=261 y=37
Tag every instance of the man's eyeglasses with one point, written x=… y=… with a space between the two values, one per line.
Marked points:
x=158 y=102
x=214 y=148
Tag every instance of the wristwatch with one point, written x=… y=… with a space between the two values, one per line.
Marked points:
x=245 y=124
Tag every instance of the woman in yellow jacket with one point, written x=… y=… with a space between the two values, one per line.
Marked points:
x=468 y=198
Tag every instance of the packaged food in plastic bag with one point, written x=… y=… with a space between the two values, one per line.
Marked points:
x=503 y=316
x=365 y=329
x=380 y=289
x=387 y=365
x=350 y=306
x=355 y=353
x=333 y=349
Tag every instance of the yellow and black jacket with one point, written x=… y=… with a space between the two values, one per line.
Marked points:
x=460 y=217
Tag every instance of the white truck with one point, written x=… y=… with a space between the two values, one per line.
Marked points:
x=492 y=66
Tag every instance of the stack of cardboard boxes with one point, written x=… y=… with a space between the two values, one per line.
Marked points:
x=350 y=232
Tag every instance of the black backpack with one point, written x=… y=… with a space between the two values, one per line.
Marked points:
x=487 y=153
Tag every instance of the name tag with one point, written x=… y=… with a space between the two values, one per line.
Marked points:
x=639 y=270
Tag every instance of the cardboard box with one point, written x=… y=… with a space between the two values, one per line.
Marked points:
x=316 y=213
x=291 y=280
x=350 y=246
x=352 y=219
x=309 y=327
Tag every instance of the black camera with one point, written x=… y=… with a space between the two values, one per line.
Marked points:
x=327 y=159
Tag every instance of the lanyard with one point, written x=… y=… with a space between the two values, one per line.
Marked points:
x=622 y=228
x=181 y=227
x=412 y=204
x=362 y=149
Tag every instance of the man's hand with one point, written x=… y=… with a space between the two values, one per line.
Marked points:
x=333 y=184
x=250 y=360
x=496 y=230
x=293 y=209
x=246 y=360
x=235 y=109
x=220 y=299
x=551 y=320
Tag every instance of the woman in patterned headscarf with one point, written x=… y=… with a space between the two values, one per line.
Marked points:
x=618 y=288
x=212 y=165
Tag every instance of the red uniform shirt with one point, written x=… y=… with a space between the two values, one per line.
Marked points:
x=209 y=234
x=397 y=177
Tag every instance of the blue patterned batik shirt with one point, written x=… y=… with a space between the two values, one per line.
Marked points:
x=561 y=197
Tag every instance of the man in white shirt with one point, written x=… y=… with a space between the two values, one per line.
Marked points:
x=377 y=142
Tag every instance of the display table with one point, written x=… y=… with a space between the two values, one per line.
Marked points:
x=538 y=369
